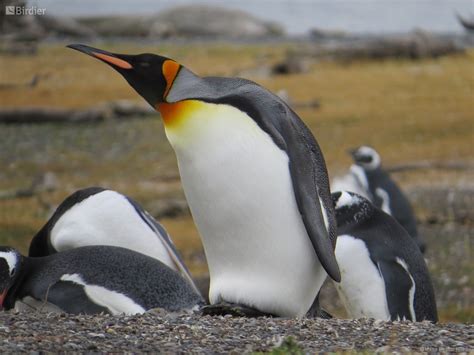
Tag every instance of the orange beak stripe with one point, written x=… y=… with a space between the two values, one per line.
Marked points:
x=170 y=70
x=113 y=60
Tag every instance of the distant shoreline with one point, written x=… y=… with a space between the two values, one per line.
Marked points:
x=296 y=16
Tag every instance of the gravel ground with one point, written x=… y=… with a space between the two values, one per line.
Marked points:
x=158 y=331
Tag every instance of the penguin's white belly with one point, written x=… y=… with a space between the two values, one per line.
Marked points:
x=362 y=288
x=238 y=186
x=107 y=218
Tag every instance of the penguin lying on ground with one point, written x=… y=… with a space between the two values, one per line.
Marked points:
x=367 y=178
x=383 y=273
x=92 y=279
x=255 y=180
x=97 y=216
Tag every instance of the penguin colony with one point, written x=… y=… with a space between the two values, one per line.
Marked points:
x=367 y=178
x=257 y=186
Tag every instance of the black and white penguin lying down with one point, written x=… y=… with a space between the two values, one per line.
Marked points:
x=98 y=216
x=383 y=273
x=92 y=279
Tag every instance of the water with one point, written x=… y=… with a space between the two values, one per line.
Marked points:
x=298 y=16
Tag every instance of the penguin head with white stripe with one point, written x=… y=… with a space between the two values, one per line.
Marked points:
x=366 y=157
x=150 y=75
x=10 y=263
x=351 y=208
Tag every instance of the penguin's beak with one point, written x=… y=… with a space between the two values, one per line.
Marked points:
x=2 y=297
x=150 y=75
x=352 y=152
x=107 y=57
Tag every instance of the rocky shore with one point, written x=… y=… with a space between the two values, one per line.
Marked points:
x=182 y=333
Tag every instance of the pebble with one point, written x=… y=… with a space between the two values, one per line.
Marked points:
x=157 y=332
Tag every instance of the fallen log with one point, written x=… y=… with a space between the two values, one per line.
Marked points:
x=113 y=110
x=426 y=164
x=46 y=182
x=44 y=115
x=414 y=45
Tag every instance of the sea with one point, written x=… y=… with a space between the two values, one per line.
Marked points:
x=299 y=16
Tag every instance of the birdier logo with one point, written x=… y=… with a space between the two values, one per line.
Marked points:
x=23 y=10
x=9 y=10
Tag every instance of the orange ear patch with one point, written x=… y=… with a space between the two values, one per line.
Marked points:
x=113 y=60
x=170 y=70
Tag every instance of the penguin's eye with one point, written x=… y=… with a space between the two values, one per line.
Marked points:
x=144 y=64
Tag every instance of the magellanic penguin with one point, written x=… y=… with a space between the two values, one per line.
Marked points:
x=255 y=180
x=92 y=279
x=370 y=180
x=383 y=272
x=98 y=216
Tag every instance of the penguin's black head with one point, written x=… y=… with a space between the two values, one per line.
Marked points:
x=350 y=208
x=366 y=157
x=10 y=262
x=150 y=75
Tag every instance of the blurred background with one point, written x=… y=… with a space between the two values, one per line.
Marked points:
x=397 y=75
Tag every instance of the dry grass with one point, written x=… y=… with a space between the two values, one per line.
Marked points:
x=408 y=110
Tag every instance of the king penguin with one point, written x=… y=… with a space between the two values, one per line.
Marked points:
x=255 y=181
x=373 y=182
x=98 y=216
x=383 y=273
x=92 y=279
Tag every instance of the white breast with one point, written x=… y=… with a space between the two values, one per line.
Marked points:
x=238 y=185
x=107 y=218
x=354 y=181
x=362 y=288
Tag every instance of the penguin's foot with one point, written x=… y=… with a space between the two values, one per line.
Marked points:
x=234 y=309
x=317 y=312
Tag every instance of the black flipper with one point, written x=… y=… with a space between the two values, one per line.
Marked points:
x=397 y=288
x=307 y=166
x=72 y=298
x=161 y=233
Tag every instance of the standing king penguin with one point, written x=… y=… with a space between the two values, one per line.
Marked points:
x=98 y=216
x=384 y=275
x=255 y=180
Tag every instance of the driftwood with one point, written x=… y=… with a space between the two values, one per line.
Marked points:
x=415 y=45
x=426 y=164
x=46 y=182
x=114 y=110
x=44 y=115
